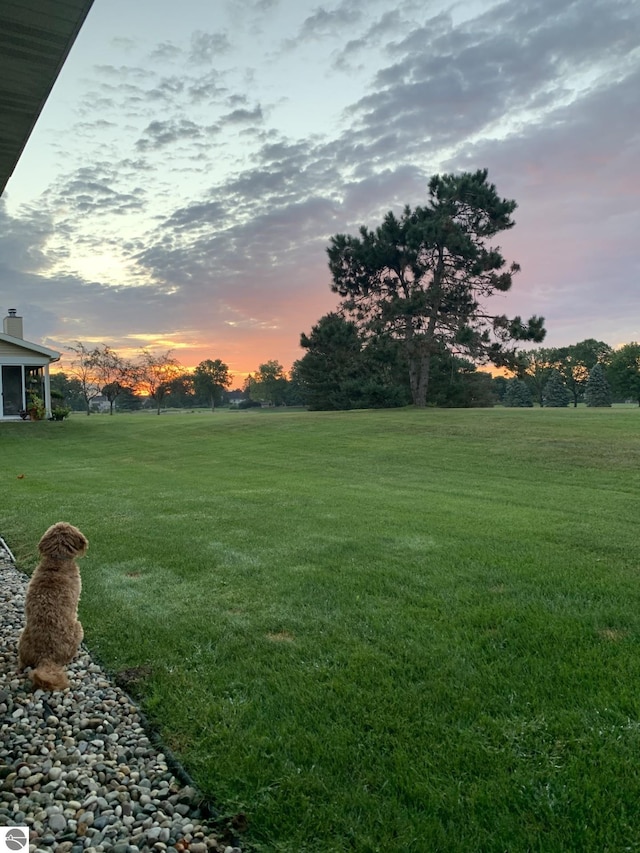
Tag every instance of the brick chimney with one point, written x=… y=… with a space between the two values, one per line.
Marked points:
x=12 y=324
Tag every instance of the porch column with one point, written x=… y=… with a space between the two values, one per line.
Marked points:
x=47 y=391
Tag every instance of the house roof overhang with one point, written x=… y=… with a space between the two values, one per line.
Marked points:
x=35 y=39
x=51 y=354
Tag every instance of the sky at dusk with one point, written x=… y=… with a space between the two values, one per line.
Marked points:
x=194 y=158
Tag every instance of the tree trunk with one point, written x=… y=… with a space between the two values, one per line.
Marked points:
x=419 y=366
x=420 y=349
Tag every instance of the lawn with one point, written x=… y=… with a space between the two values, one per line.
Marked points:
x=369 y=631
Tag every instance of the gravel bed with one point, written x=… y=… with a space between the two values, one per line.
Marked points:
x=78 y=768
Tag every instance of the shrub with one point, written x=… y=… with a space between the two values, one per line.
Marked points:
x=36 y=408
x=59 y=413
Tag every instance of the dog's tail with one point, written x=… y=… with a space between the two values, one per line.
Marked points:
x=49 y=676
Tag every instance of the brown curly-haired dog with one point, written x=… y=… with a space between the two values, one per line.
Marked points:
x=52 y=633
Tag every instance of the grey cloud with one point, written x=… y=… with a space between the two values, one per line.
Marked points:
x=92 y=189
x=97 y=125
x=208 y=213
x=237 y=100
x=23 y=240
x=207 y=47
x=123 y=72
x=325 y=22
x=451 y=82
x=243 y=116
x=123 y=43
x=126 y=92
x=255 y=217
x=159 y=134
x=206 y=87
x=62 y=308
x=577 y=214
x=265 y=5
x=133 y=167
x=165 y=52
x=167 y=88
x=376 y=34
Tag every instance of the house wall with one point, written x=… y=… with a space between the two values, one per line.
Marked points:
x=11 y=349
x=13 y=353
x=15 y=356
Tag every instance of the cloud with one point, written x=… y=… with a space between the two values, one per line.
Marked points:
x=378 y=33
x=243 y=116
x=23 y=241
x=207 y=47
x=519 y=61
x=159 y=134
x=324 y=23
x=165 y=52
x=206 y=87
x=94 y=190
x=206 y=212
x=265 y=5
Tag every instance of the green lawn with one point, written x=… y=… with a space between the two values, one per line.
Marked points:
x=371 y=631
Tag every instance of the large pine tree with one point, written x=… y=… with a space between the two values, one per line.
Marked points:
x=424 y=278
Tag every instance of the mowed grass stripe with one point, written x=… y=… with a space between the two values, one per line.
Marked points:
x=393 y=630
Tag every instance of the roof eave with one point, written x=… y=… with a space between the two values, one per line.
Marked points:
x=54 y=355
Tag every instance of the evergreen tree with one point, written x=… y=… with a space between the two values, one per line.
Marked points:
x=333 y=358
x=343 y=370
x=517 y=394
x=555 y=393
x=455 y=383
x=500 y=385
x=597 y=392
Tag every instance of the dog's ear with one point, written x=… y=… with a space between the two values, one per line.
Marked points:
x=63 y=540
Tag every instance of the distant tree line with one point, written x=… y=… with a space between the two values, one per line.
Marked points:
x=590 y=371
x=99 y=377
x=344 y=369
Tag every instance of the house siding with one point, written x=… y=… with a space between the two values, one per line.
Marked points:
x=11 y=350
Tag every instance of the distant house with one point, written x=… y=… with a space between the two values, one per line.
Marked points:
x=236 y=397
x=24 y=370
x=100 y=404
